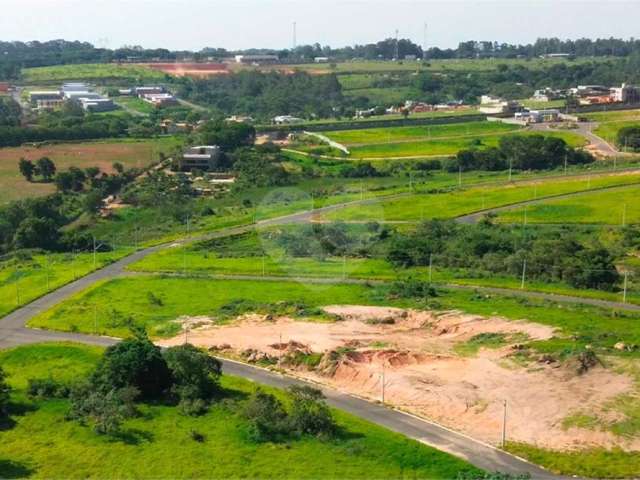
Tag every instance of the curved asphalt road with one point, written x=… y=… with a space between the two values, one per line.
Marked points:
x=13 y=332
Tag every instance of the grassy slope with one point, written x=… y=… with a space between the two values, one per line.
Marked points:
x=394 y=134
x=89 y=72
x=608 y=207
x=158 y=444
x=23 y=281
x=452 y=204
x=446 y=146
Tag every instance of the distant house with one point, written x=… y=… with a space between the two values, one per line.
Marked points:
x=257 y=59
x=321 y=59
x=80 y=94
x=4 y=87
x=95 y=105
x=203 y=157
x=160 y=99
x=140 y=91
x=537 y=116
x=547 y=94
x=286 y=120
x=626 y=94
x=75 y=87
x=556 y=55
x=36 y=96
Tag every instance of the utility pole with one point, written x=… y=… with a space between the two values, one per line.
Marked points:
x=430 y=266
x=424 y=42
x=344 y=267
x=624 y=215
x=565 y=163
x=94 y=251
x=459 y=175
x=510 y=168
x=295 y=35
x=47 y=271
x=411 y=180
x=95 y=319
x=383 y=382
x=624 y=291
x=504 y=424
x=524 y=273
x=264 y=267
x=397 y=53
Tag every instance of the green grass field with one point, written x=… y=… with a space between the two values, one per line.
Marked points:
x=102 y=154
x=452 y=204
x=136 y=104
x=42 y=444
x=395 y=134
x=610 y=207
x=447 y=146
x=22 y=281
x=102 y=71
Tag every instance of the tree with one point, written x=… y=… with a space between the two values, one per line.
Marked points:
x=134 y=362
x=196 y=375
x=268 y=420
x=629 y=137
x=105 y=411
x=310 y=414
x=92 y=201
x=36 y=232
x=46 y=168
x=27 y=169
x=5 y=390
x=118 y=167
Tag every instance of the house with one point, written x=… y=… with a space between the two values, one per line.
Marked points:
x=160 y=99
x=125 y=92
x=257 y=59
x=95 y=105
x=80 y=94
x=36 y=96
x=240 y=119
x=547 y=94
x=626 y=94
x=556 y=55
x=140 y=91
x=286 y=120
x=203 y=157
x=321 y=59
x=49 y=104
x=495 y=105
x=75 y=87
x=169 y=127
x=538 y=116
x=4 y=87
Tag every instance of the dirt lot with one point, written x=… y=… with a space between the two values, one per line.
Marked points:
x=427 y=370
x=189 y=69
x=13 y=186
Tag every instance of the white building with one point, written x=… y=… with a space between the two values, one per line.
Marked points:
x=286 y=120
x=258 y=59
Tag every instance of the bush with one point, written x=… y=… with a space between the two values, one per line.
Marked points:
x=44 y=388
x=411 y=288
x=196 y=377
x=5 y=390
x=310 y=414
x=103 y=411
x=268 y=420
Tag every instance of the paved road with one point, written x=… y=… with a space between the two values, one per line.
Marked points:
x=13 y=332
x=586 y=130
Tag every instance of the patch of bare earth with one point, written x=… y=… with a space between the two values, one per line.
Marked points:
x=414 y=352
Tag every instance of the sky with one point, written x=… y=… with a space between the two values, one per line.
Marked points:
x=239 y=24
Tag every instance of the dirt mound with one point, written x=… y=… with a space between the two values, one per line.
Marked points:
x=414 y=360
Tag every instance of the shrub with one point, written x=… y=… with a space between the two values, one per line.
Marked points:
x=5 y=390
x=103 y=411
x=43 y=388
x=310 y=414
x=268 y=420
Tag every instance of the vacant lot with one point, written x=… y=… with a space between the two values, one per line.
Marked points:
x=396 y=134
x=610 y=207
x=452 y=204
x=43 y=444
x=444 y=145
x=13 y=186
x=102 y=71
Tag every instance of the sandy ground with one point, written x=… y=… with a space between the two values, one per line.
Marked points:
x=414 y=352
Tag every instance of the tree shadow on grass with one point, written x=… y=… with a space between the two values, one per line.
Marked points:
x=132 y=436
x=10 y=469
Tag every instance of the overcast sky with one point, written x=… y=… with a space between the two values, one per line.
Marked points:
x=237 y=24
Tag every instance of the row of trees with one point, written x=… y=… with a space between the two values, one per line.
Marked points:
x=520 y=152
x=43 y=167
x=492 y=249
